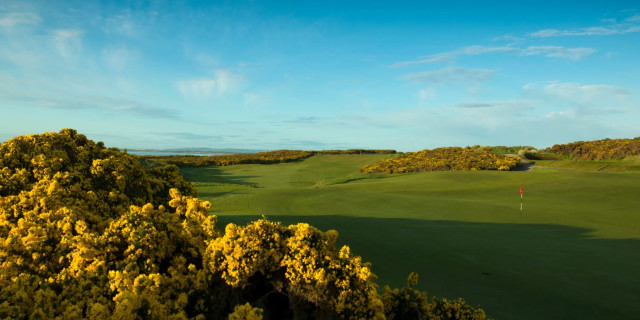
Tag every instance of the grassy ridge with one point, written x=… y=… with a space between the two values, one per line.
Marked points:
x=631 y=163
x=573 y=253
x=268 y=157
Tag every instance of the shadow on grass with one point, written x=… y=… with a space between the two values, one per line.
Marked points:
x=513 y=271
x=205 y=194
x=215 y=175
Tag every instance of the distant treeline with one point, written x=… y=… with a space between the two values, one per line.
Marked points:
x=269 y=157
x=606 y=149
x=445 y=159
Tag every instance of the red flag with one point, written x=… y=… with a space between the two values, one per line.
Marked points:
x=521 y=189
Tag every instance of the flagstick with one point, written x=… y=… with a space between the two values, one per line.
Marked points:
x=521 y=203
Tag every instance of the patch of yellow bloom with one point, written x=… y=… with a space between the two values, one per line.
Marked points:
x=87 y=232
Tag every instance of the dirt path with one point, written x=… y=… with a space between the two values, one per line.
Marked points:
x=526 y=164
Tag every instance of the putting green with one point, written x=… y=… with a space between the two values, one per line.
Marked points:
x=574 y=251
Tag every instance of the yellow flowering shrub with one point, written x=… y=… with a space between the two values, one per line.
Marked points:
x=445 y=159
x=246 y=312
x=605 y=149
x=302 y=263
x=87 y=232
x=268 y=157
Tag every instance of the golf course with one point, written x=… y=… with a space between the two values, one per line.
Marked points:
x=573 y=252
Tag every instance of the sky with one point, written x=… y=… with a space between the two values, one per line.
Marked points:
x=321 y=74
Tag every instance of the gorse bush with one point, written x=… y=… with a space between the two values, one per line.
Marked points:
x=268 y=157
x=277 y=156
x=606 y=149
x=409 y=303
x=531 y=155
x=87 y=232
x=508 y=150
x=444 y=159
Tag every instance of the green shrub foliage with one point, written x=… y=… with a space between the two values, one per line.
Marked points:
x=444 y=159
x=87 y=232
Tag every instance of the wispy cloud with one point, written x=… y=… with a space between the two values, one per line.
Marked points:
x=12 y=19
x=590 y=31
x=628 y=25
x=451 y=76
x=222 y=82
x=119 y=58
x=303 y=120
x=123 y=24
x=67 y=41
x=558 y=52
x=189 y=136
x=548 y=51
x=575 y=89
x=436 y=58
x=475 y=105
x=146 y=111
x=450 y=56
x=427 y=94
x=18 y=96
x=578 y=100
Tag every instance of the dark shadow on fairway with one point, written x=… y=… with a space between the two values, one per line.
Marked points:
x=214 y=194
x=513 y=271
x=214 y=174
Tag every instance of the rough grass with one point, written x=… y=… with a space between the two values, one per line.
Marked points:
x=574 y=252
x=631 y=163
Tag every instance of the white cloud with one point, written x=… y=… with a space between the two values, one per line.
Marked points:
x=476 y=50
x=590 y=31
x=251 y=98
x=67 y=41
x=557 y=52
x=223 y=82
x=628 y=25
x=451 y=55
x=437 y=58
x=474 y=105
x=578 y=101
x=452 y=76
x=589 y=91
x=561 y=114
x=20 y=93
x=120 y=57
x=12 y=19
x=122 y=25
x=196 y=87
x=427 y=94
x=548 y=51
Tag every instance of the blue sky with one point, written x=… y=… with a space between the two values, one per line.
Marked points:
x=321 y=75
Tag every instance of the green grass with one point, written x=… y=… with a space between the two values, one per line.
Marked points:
x=627 y=164
x=574 y=252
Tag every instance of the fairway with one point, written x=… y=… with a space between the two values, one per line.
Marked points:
x=573 y=253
